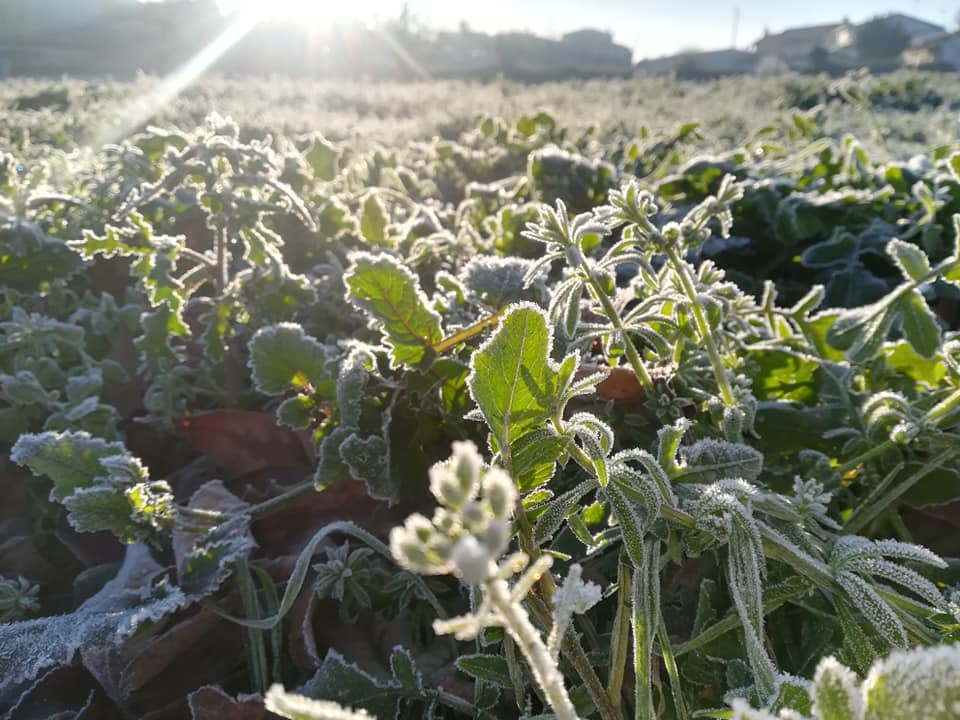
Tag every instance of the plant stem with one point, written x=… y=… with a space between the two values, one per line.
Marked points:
x=517 y=623
x=573 y=652
x=633 y=356
x=703 y=327
x=670 y=662
x=294 y=494
x=620 y=639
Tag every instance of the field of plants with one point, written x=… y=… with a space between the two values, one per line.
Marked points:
x=609 y=399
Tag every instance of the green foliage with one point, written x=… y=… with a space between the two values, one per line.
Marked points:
x=723 y=360
x=391 y=294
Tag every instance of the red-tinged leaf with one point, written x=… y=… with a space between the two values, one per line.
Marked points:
x=243 y=442
x=212 y=703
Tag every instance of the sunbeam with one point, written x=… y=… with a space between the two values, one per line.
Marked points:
x=146 y=106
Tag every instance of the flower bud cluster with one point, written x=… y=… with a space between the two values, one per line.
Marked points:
x=470 y=529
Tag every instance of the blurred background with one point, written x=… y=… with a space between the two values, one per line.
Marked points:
x=429 y=39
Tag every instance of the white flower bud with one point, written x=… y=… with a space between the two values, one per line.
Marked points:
x=466 y=464
x=497 y=537
x=500 y=492
x=446 y=487
x=471 y=561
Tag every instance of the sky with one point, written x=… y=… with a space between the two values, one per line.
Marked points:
x=650 y=29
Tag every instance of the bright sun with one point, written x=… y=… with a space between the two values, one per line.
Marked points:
x=313 y=11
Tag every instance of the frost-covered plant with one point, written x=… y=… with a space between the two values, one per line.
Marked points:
x=917 y=683
x=467 y=536
x=18 y=599
x=297 y=707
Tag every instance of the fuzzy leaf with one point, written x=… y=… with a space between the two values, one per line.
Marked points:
x=512 y=378
x=918 y=683
x=711 y=460
x=391 y=294
x=836 y=692
x=106 y=619
x=373 y=221
x=489 y=668
x=919 y=325
x=72 y=459
x=911 y=260
x=284 y=357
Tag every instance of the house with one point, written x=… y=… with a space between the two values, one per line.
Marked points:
x=798 y=49
x=915 y=28
x=941 y=51
x=696 y=64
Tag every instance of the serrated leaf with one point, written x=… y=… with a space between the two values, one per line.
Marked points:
x=373 y=221
x=512 y=378
x=368 y=459
x=71 y=459
x=208 y=563
x=534 y=456
x=323 y=157
x=391 y=294
x=919 y=325
x=489 y=668
x=284 y=357
x=911 y=260
x=135 y=513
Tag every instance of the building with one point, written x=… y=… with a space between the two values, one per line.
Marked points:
x=914 y=28
x=798 y=49
x=941 y=52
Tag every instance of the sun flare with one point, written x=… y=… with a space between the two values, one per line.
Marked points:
x=313 y=12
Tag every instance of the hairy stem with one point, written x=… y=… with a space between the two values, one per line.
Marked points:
x=517 y=623
x=703 y=327
x=633 y=356
x=620 y=638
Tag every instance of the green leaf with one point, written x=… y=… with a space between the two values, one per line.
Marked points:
x=405 y=670
x=135 y=513
x=323 y=156
x=297 y=412
x=919 y=325
x=512 y=378
x=490 y=668
x=391 y=293
x=350 y=686
x=373 y=221
x=535 y=456
x=862 y=331
x=835 y=692
x=368 y=459
x=911 y=260
x=29 y=267
x=72 y=460
x=284 y=357
x=904 y=358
